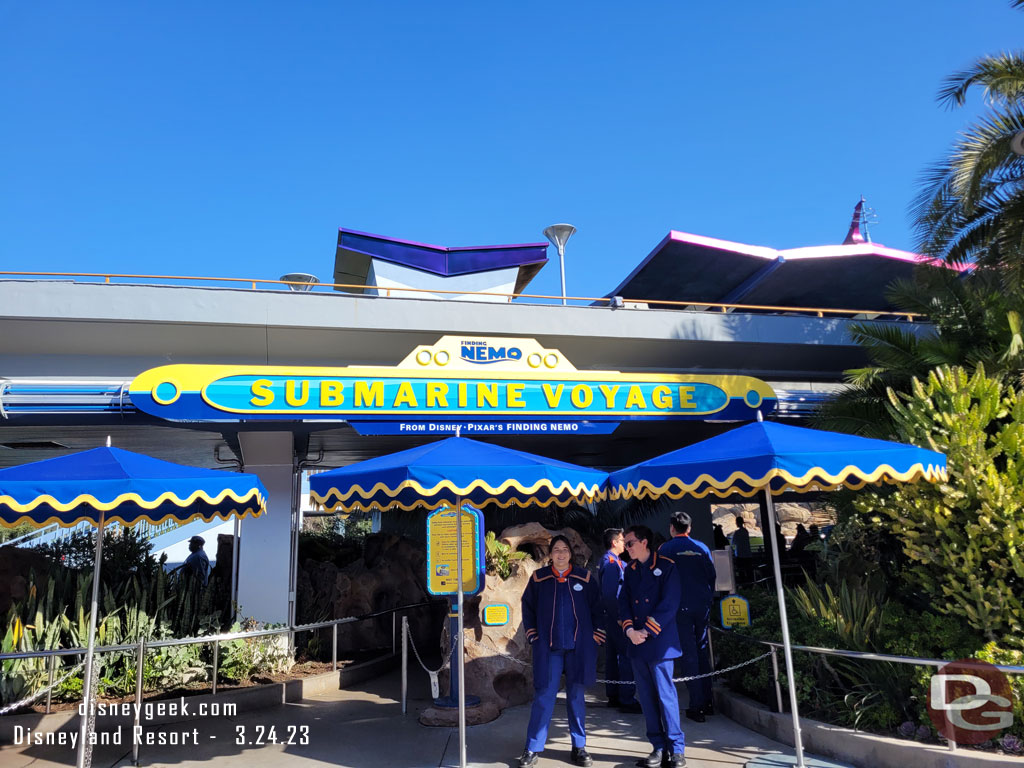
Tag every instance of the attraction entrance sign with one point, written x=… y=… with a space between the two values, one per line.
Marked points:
x=480 y=385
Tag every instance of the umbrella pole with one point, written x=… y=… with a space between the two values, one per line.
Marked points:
x=786 y=646
x=460 y=650
x=84 y=729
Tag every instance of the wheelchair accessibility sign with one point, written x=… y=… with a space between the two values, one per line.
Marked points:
x=735 y=612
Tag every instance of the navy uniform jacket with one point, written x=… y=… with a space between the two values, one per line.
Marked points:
x=610 y=574
x=695 y=571
x=649 y=599
x=539 y=616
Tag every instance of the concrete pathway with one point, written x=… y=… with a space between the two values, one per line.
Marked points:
x=365 y=729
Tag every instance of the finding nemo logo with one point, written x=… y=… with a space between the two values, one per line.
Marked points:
x=443 y=381
x=483 y=352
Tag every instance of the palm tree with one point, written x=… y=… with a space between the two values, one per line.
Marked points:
x=974 y=323
x=971 y=208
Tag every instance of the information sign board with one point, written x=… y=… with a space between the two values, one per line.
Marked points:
x=442 y=546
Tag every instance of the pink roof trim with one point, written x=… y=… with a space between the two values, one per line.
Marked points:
x=807 y=252
x=723 y=245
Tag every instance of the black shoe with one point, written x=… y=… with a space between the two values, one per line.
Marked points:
x=580 y=756
x=653 y=760
x=528 y=760
x=708 y=709
x=676 y=761
x=695 y=715
x=632 y=708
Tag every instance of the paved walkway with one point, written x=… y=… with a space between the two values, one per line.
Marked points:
x=365 y=728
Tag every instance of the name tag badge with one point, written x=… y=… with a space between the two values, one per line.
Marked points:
x=657 y=571
x=578 y=587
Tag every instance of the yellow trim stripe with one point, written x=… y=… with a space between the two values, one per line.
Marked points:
x=816 y=479
x=128 y=522
x=335 y=498
x=125 y=498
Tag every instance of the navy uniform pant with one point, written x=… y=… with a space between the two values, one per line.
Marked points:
x=544 y=706
x=657 y=696
x=617 y=667
x=696 y=659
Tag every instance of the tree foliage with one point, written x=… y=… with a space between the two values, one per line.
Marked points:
x=971 y=207
x=975 y=323
x=965 y=537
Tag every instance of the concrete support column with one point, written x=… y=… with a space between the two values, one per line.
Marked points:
x=265 y=548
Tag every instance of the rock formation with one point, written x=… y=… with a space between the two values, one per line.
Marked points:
x=789 y=515
x=535 y=539
x=391 y=573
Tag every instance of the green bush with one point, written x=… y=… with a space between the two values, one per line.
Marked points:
x=964 y=538
x=500 y=556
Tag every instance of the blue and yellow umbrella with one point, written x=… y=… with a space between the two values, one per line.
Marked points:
x=779 y=458
x=124 y=487
x=775 y=459
x=109 y=484
x=449 y=473
x=455 y=470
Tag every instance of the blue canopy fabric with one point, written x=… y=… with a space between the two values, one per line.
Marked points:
x=438 y=474
x=127 y=487
x=779 y=457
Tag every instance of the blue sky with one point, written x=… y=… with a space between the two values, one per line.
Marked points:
x=234 y=138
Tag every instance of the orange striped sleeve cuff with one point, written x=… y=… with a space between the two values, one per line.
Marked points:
x=653 y=626
x=626 y=624
x=531 y=634
x=599 y=636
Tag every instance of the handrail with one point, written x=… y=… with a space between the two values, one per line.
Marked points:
x=610 y=301
x=865 y=655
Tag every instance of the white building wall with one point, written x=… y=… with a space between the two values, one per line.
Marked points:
x=393 y=277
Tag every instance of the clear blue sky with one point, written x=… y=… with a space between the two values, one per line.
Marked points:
x=234 y=138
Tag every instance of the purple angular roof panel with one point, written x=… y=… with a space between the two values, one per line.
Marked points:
x=692 y=268
x=355 y=249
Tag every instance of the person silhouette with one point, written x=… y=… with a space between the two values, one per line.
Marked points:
x=197 y=563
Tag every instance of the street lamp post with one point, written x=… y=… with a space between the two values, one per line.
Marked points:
x=559 y=235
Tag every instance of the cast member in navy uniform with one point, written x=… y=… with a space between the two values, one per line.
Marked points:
x=648 y=604
x=563 y=622
x=696 y=573
x=616 y=665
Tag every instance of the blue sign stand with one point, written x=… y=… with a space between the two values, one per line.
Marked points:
x=451 y=701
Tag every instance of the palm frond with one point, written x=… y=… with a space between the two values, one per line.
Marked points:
x=1001 y=77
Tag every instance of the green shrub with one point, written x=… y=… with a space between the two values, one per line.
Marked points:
x=964 y=538
x=500 y=556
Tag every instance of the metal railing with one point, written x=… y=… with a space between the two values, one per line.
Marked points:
x=613 y=302
x=55 y=532
x=860 y=655
x=142 y=646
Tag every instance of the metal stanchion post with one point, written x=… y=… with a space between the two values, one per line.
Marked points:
x=405 y=664
x=216 y=663
x=775 y=676
x=140 y=660
x=49 y=684
x=394 y=638
x=334 y=647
